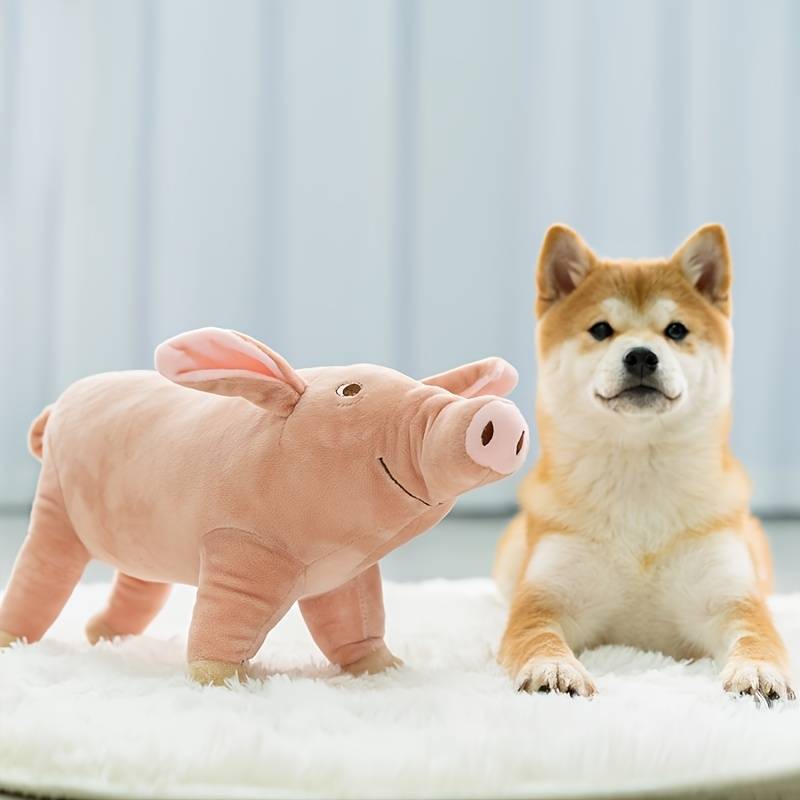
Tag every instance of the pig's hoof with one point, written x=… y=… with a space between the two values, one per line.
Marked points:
x=215 y=672
x=7 y=638
x=376 y=661
x=97 y=629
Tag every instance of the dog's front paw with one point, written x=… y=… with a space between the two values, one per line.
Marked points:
x=761 y=679
x=7 y=639
x=550 y=675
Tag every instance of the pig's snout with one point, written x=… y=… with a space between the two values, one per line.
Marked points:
x=497 y=437
x=468 y=438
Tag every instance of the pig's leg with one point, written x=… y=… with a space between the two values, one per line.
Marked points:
x=48 y=567
x=347 y=624
x=245 y=587
x=131 y=608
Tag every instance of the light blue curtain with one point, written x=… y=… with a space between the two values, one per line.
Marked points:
x=369 y=180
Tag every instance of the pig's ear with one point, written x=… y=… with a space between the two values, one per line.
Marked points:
x=490 y=376
x=230 y=363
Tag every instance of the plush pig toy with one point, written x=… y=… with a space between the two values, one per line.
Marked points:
x=260 y=484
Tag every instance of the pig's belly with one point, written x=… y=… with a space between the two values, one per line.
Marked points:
x=136 y=553
x=150 y=554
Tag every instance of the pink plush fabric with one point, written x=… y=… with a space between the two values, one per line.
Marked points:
x=260 y=484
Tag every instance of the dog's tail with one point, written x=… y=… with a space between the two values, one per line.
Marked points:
x=36 y=432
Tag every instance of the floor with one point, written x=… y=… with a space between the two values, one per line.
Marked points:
x=459 y=547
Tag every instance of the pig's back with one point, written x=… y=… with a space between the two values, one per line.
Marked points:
x=147 y=467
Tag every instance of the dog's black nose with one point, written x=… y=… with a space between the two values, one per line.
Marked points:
x=640 y=361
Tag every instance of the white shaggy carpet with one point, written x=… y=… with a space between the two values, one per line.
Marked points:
x=121 y=719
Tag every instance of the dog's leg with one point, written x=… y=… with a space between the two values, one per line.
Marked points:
x=534 y=650
x=715 y=597
x=755 y=658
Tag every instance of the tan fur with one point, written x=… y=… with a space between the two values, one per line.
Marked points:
x=637 y=282
x=758 y=546
x=530 y=630
x=760 y=641
x=732 y=521
x=583 y=563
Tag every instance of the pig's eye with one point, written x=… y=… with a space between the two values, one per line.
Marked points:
x=348 y=389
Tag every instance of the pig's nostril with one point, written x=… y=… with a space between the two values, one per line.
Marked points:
x=520 y=442
x=487 y=433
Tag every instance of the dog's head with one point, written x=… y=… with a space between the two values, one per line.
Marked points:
x=625 y=341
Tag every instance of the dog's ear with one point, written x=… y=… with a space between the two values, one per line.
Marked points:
x=705 y=260
x=564 y=261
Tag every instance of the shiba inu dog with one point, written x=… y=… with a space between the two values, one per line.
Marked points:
x=634 y=525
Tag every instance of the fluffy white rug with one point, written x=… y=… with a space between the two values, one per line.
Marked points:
x=122 y=720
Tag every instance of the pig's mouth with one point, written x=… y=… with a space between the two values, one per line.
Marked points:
x=397 y=482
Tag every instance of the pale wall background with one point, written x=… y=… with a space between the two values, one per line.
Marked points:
x=370 y=180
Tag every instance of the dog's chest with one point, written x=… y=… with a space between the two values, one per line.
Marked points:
x=622 y=581
x=639 y=598
x=617 y=591
x=625 y=560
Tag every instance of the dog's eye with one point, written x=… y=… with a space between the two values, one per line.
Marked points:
x=676 y=331
x=601 y=330
x=348 y=389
